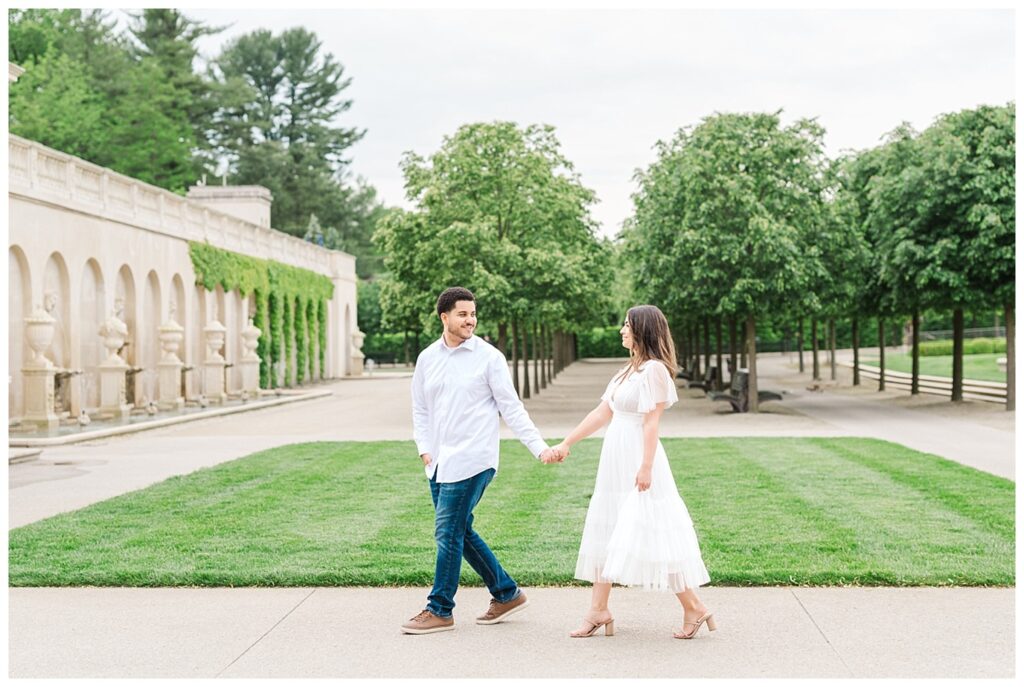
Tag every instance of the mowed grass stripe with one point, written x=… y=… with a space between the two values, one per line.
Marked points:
x=767 y=511
x=897 y=524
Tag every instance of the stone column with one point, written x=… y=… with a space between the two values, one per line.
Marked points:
x=112 y=370
x=169 y=394
x=38 y=373
x=250 y=363
x=213 y=368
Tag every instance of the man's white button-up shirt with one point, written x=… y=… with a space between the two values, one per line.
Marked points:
x=457 y=394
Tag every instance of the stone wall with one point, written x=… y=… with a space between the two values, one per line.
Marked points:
x=86 y=242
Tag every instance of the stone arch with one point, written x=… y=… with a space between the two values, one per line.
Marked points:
x=90 y=316
x=199 y=318
x=177 y=310
x=19 y=306
x=151 y=316
x=55 y=300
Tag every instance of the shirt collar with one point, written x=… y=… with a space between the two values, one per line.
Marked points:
x=469 y=344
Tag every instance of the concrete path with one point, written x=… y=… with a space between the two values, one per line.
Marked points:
x=353 y=632
x=330 y=632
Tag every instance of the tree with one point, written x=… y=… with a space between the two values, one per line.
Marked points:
x=722 y=220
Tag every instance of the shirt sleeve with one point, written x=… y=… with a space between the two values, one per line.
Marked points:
x=656 y=386
x=420 y=412
x=511 y=408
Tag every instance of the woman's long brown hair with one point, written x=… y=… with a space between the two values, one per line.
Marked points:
x=652 y=339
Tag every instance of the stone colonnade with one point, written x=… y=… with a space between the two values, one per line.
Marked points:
x=101 y=284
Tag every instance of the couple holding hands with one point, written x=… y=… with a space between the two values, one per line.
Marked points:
x=637 y=530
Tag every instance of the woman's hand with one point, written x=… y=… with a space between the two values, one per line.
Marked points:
x=643 y=478
x=562 y=450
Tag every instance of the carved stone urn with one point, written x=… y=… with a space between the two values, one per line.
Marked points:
x=214 y=332
x=39 y=328
x=250 y=340
x=171 y=336
x=114 y=332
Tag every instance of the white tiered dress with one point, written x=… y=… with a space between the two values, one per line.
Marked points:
x=644 y=539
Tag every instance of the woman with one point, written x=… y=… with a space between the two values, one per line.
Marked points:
x=638 y=531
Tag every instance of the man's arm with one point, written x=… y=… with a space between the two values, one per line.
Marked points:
x=511 y=408
x=421 y=414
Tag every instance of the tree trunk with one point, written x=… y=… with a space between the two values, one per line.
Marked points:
x=697 y=353
x=1011 y=364
x=815 y=365
x=958 y=355
x=881 y=354
x=856 y=352
x=752 y=404
x=800 y=341
x=543 y=357
x=732 y=348
x=718 y=353
x=515 y=357
x=707 y=342
x=503 y=337
x=743 y=347
x=832 y=348
x=526 y=360
x=536 y=361
x=915 y=353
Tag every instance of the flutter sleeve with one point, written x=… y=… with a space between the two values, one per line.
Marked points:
x=656 y=386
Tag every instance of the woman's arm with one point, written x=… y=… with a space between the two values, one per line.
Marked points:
x=651 y=420
x=595 y=420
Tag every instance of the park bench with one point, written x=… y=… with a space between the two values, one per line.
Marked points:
x=737 y=393
x=710 y=376
x=383 y=358
x=688 y=368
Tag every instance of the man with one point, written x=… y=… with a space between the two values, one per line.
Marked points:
x=459 y=387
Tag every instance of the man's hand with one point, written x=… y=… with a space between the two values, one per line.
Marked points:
x=554 y=455
x=426 y=458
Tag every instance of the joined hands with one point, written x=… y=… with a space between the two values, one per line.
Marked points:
x=555 y=454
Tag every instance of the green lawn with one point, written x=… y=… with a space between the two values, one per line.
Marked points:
x=981 y=366
x=790 y=511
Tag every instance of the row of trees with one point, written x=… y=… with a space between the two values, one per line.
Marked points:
x=499 y=210
x=264 y=111
x=742 y=219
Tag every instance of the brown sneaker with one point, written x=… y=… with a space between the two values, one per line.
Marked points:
x=426 y=622
x=498 y=611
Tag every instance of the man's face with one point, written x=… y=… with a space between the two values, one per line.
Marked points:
x=460 y=321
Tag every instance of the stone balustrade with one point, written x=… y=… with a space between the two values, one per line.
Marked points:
x=45 y=174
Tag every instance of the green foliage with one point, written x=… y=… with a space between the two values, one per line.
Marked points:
x=601 y=342
x=88 y=92
x=282 y=285
x=322 y=333
x=971 y=347
x=302 y=342
x=500 y=211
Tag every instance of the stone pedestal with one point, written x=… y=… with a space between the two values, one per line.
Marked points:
x=169 y=395
x=213 y=367
x=112 y=390
x=113 y=369
x=39 y=398
x=38 y=374
x=250 y=362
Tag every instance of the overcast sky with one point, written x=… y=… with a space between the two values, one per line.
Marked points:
x=613 y=82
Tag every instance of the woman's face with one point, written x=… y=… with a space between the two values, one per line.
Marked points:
x=627 y=335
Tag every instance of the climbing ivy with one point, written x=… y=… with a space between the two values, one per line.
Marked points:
x=302 y=342
x=279 y=290
x=321 y=330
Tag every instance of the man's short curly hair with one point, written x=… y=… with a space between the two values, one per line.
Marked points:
x=449 y=297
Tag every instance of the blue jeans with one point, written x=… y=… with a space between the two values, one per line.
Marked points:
x=453 y=529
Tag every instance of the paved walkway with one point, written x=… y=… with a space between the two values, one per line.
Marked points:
x=352 y=632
